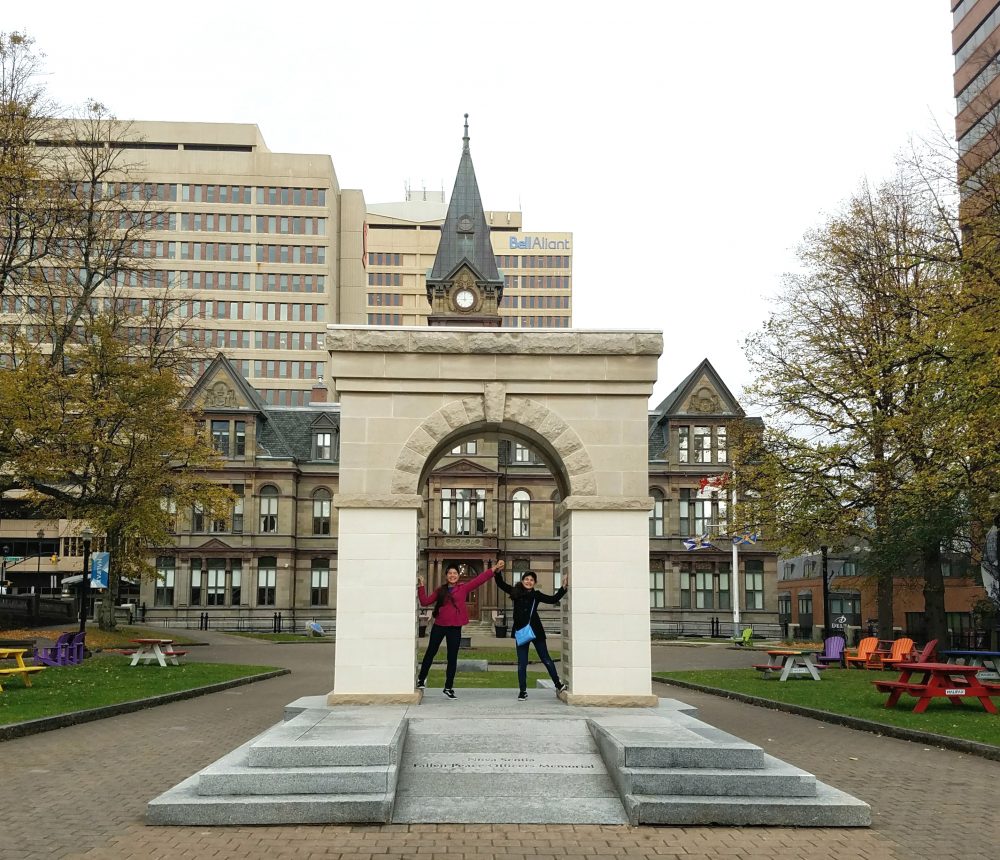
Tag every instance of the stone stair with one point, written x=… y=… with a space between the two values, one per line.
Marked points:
x=685 y=772
x=319 y=766
x=504 y=771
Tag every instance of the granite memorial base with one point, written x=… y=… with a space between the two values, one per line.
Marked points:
x=488 y=758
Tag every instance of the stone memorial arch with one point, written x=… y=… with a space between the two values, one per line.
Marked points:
x=579 y=398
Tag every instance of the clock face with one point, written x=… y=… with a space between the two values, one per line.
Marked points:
x=465 y=299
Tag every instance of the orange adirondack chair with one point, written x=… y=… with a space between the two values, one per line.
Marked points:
x=902 y=649
x=864 y=650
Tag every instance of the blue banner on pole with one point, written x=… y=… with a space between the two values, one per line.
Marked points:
x=99 y=562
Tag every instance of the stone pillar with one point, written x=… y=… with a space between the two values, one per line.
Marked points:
x=376 y=582
x=606 y=641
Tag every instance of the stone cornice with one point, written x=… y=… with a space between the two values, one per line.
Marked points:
x=604 y=503
x=472 y=341
x=387 y=500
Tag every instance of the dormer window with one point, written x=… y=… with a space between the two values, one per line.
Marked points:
x=323 y=445
x=229 y=438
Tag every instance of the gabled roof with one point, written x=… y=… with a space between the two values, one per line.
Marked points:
x=463 y=467
x=465 y=234
x=674 y=402
x=211 y=391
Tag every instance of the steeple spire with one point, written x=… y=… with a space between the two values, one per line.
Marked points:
x=465 y=252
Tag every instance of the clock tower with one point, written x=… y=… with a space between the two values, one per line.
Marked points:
x=464 y=287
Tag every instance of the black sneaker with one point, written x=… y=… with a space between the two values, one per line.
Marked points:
x=421 y=684
x=449 y=693
x=561 y=688
x=522 y=696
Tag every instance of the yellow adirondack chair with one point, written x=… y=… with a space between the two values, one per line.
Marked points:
x=860 y=656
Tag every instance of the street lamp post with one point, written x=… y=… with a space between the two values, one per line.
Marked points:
x=88 y=535
x=825 y=567
x=39 y=534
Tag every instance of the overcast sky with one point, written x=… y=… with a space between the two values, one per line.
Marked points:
x=686 y=145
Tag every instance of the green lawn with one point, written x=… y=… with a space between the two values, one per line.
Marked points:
x=435 y=680
x=280 y=637
x=106 y=679
x=852 y=693
x=493 y=655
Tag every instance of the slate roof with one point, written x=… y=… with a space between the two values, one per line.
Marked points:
x=288 y=433
x=470 y=245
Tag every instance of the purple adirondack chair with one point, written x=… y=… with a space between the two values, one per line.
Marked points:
x=833 y=650
x=75 y=650
x=55 y=655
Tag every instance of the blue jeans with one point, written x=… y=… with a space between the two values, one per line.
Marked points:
x=453 y=637
x=543 y=655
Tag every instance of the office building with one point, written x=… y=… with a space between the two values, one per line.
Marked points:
x=976 y=47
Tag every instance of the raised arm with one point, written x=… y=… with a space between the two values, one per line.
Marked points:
x=422 y=595
x=501 y=582
x=473 y=584
x=549 y=598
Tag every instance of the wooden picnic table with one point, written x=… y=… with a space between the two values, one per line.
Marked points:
x=988 y=661
x=17 y=655
x=155 y=649
x=791 y=663
x=951 y=681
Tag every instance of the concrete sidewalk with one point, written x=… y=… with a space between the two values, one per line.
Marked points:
x=81 y=792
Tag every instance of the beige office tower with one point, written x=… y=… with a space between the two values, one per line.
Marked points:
x=258 y=243
x=402 y=242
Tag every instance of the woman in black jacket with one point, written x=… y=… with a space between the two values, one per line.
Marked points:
x=526 y=598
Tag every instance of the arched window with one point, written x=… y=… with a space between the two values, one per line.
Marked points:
x=268 y=510
x=656 y=514
x=321 y=512
x=555 y=498
x=522 y=514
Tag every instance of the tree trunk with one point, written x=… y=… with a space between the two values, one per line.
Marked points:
x=883 y=595
x=935 y=621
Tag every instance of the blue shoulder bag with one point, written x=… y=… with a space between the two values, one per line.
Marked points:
x=524 y=635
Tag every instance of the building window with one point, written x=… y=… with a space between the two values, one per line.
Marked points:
x=267 y=577
x=319 y=594
x=754 y=579
x=685 y=585
x=238 y=509
x=704 y=597
x=236 y=581
x=466 y=448
x=197 y=518
x=522 y=454
x=321 y=512
x=240 y=439
x=521 y=514
x=323 y=445
x=701 y=513
x=163 y=595
x=268 y=510
x=657 y=591
x=215 y=588
x=805 y=605
x=195 y=582
x=785 y=605
x=463 y=512
x=684 y=444
x=789 y=568
x=722 y=582
x=702 y=444
x=721 y=445
x=220 y=437
x=656 y=514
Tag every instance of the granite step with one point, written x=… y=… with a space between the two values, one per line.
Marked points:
x=673 y=745
x=233 y=775
x=828 y=808
x=775 y=779
x=523 y=809
x=185 y=806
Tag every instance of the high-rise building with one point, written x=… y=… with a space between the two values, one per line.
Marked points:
x=975 y=43
x=261 y=247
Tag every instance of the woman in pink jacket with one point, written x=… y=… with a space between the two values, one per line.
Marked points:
x=450 y=616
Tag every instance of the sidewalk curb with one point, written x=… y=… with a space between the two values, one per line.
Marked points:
x=975 y=748
x=60 y=721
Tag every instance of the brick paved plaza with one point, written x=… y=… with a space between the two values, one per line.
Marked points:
x=81 y=792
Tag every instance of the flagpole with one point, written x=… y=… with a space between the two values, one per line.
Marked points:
x=735 y=574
